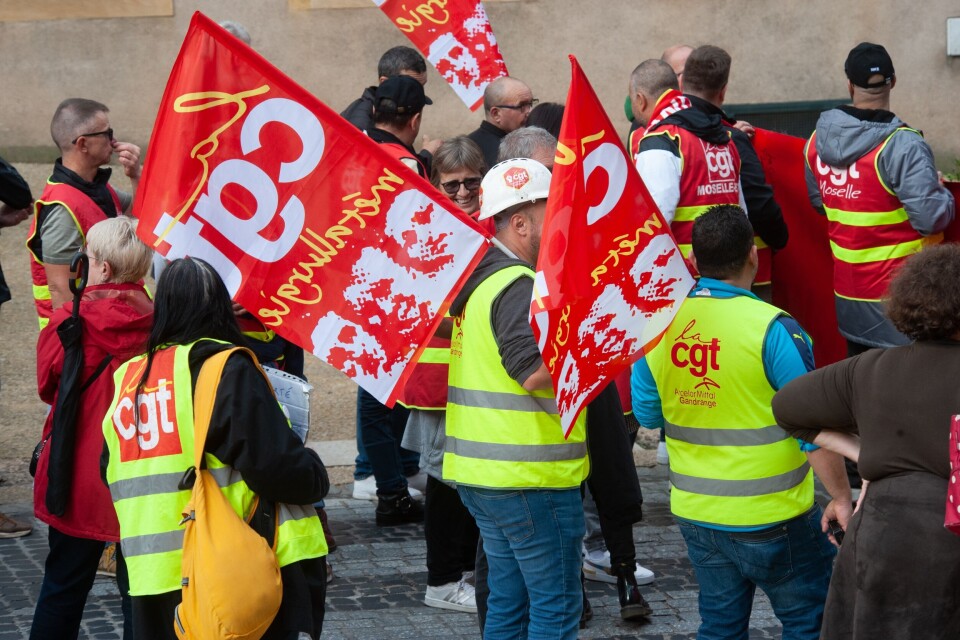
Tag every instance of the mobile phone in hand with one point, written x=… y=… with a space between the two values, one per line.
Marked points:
x=836 y=531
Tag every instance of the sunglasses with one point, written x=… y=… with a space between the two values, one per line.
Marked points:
x=453 y=186
x=108 y=133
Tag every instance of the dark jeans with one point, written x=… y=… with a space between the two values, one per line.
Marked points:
x=381 y=430
x=68 y=575
x=451 y=534
x=791 y=562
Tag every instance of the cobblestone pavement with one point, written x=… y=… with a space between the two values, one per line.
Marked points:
x=380 y=577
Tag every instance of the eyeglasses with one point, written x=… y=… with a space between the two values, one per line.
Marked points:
x=523 y=106
x=108 y=133
x=453 y=186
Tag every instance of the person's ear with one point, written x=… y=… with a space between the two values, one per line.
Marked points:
x=850 y=89
x=893 y=81
x=415 y=122
x=723 y=94
x=693 y=260
x=519 y=222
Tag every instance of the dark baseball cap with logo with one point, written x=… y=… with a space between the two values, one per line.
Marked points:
x=400 y=94
x=866 y=60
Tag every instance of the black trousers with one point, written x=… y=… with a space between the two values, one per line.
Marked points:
x=613 y=477
x=451 y=534
x=68 y=575
x=302 y=607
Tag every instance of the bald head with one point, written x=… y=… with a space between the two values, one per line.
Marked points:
x=507 y=103
x=676 y=57
x=652 y=78
x=648 y=82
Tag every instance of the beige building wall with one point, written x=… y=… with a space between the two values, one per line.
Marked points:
x=782 y=51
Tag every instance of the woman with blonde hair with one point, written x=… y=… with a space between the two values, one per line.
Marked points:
x=116 y=315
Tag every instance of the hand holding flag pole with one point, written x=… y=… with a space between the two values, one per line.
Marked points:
x=609 y=274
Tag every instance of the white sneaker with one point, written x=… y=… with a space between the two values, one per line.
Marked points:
x=418 y=482
x=596 y=567
x=662 y=456
x=366 y=489
x=454 y=596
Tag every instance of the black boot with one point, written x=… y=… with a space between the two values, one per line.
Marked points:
x=397 y=508
x=632 y=604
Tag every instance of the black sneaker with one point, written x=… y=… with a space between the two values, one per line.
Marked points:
x=397 y=508
x=632 y=604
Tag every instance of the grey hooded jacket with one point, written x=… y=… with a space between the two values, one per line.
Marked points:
x=906 y=166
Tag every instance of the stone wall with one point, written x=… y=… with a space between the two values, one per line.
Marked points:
x=783 y=51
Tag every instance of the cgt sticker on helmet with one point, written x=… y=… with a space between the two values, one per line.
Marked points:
x=516 y=177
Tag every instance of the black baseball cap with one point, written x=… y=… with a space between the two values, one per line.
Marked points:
x=400 y=94
x=866 y=60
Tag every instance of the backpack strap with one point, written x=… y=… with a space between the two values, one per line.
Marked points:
x=262 y=517
x=204 y=396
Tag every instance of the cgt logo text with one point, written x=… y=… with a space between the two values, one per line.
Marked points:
x=146 y=423
x=692 y=352
x=719 y=162
x=839 y=180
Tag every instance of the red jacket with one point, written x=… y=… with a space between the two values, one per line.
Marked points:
x=116 y=321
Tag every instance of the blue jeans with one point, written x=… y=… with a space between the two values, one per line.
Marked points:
x=532 y=541
x=791 y=562
x=381 y=430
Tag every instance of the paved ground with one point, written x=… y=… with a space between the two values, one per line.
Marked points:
x=380 y=576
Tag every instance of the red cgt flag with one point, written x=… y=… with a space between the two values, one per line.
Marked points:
x=330 y=241
x=609 y=271
x=456 y=38
x=803 y=270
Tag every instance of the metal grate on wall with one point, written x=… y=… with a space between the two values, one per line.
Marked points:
x=794 y=118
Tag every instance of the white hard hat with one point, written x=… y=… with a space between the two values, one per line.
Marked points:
x=511 y=182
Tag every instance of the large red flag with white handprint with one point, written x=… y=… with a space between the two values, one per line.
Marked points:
x=325 y=237
x=456 y=38
x=609 y=274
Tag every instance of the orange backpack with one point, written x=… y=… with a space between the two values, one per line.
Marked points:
x=231 y=580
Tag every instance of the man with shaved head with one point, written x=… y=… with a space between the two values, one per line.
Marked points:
x=77 y=196
x=507 y=103
x=676 y=57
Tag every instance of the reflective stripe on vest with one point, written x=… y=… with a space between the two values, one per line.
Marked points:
x=85 y=213
x=870 y=231
x=148 y=461
x=498 y=434
x=730 y=465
